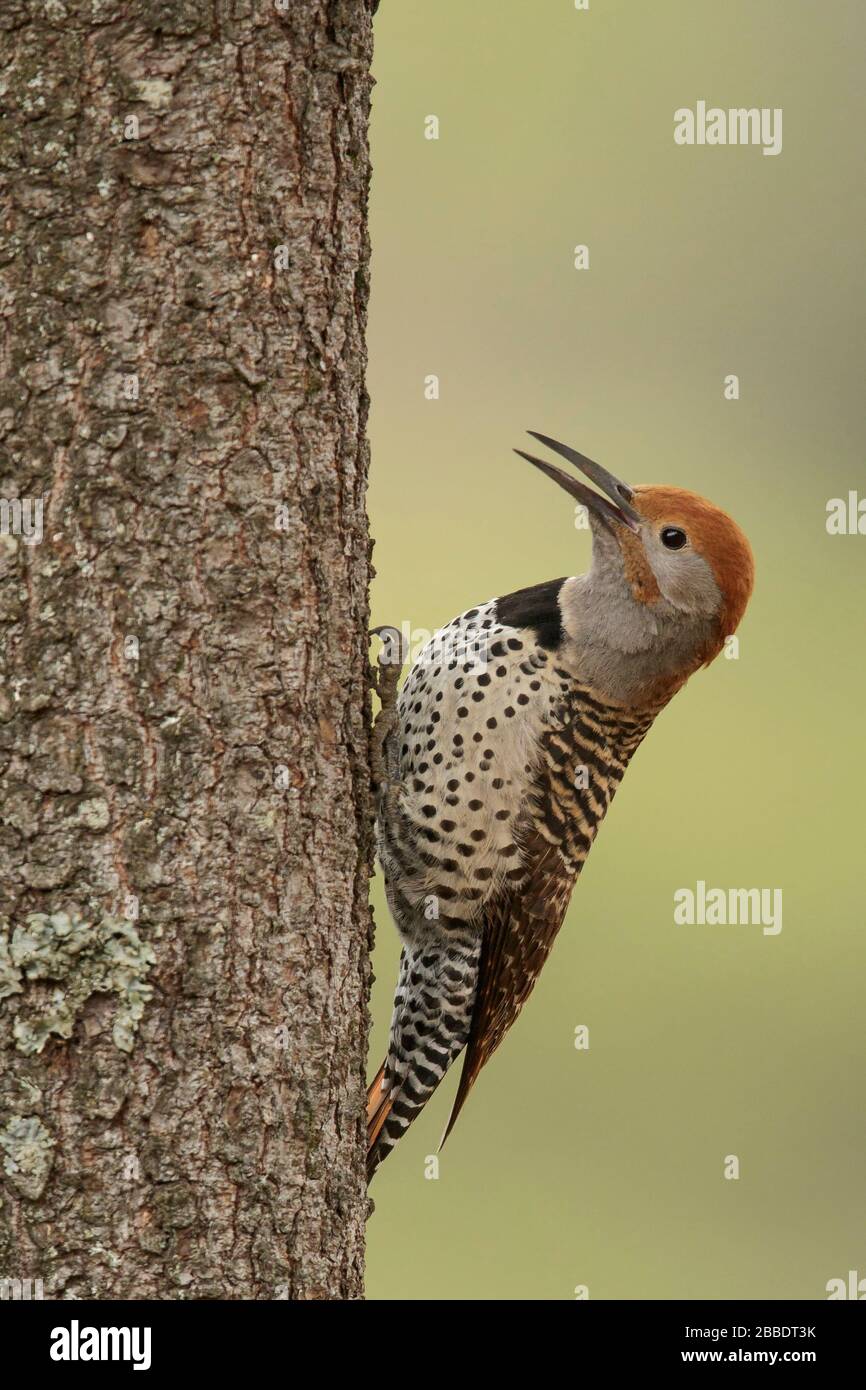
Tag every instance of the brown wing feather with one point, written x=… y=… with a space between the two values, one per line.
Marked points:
x=557 y=831
x=519 y=930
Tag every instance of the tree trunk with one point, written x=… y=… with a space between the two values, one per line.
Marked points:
x=185 y=844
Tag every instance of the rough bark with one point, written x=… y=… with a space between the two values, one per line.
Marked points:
x=184 y=740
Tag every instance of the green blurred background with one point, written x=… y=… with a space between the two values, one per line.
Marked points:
x=605 y=1167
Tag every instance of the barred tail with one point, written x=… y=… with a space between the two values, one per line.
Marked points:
x=430 y=1027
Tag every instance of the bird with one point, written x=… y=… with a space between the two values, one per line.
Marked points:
x=503 y=751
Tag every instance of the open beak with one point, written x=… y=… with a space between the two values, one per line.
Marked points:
x=614 y=506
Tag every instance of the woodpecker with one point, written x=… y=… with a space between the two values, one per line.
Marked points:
x=510 y=736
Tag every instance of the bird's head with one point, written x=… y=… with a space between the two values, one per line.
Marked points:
x=670 y=580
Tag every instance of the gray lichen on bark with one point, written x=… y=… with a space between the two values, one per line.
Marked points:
x=27 y=1154
x=194 y=618
x=76 y=959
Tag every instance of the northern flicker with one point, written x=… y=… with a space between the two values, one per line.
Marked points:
x=511 y=734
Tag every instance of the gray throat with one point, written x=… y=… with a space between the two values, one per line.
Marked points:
x=627 y=649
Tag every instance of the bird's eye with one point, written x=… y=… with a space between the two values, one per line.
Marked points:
x=673 y=537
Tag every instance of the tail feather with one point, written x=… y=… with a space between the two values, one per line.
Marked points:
x=380 y=1101
x=467 y=1079
x=429 y=1029
x=379 y=1105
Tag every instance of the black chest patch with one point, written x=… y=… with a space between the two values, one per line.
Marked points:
x=536 y=608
